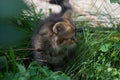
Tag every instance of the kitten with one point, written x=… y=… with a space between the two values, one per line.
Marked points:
x=54 y=37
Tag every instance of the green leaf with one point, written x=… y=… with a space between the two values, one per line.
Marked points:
x=12 y=56
x=10 y=8
x=115 y=1
x=10 y=35
x=105 y=47
x=3 y=63
x=21 y=68
x=58 y=76
x=114 y=54
x=117 y=45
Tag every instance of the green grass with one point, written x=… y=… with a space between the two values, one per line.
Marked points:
x=96 y=57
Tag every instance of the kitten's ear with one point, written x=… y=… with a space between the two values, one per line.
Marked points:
x=67 y=14
x=59 y=28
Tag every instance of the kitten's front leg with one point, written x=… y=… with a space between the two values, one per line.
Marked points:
x=39 y=53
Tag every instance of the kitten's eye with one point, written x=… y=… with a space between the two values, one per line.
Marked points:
x=74 y=39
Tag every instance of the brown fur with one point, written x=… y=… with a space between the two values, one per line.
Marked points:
x=53 y=39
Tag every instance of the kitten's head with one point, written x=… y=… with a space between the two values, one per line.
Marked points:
x=64 y=33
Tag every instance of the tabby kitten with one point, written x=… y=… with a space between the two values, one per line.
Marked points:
x=54 y=37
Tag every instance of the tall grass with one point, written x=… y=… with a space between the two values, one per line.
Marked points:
x=96 y=56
